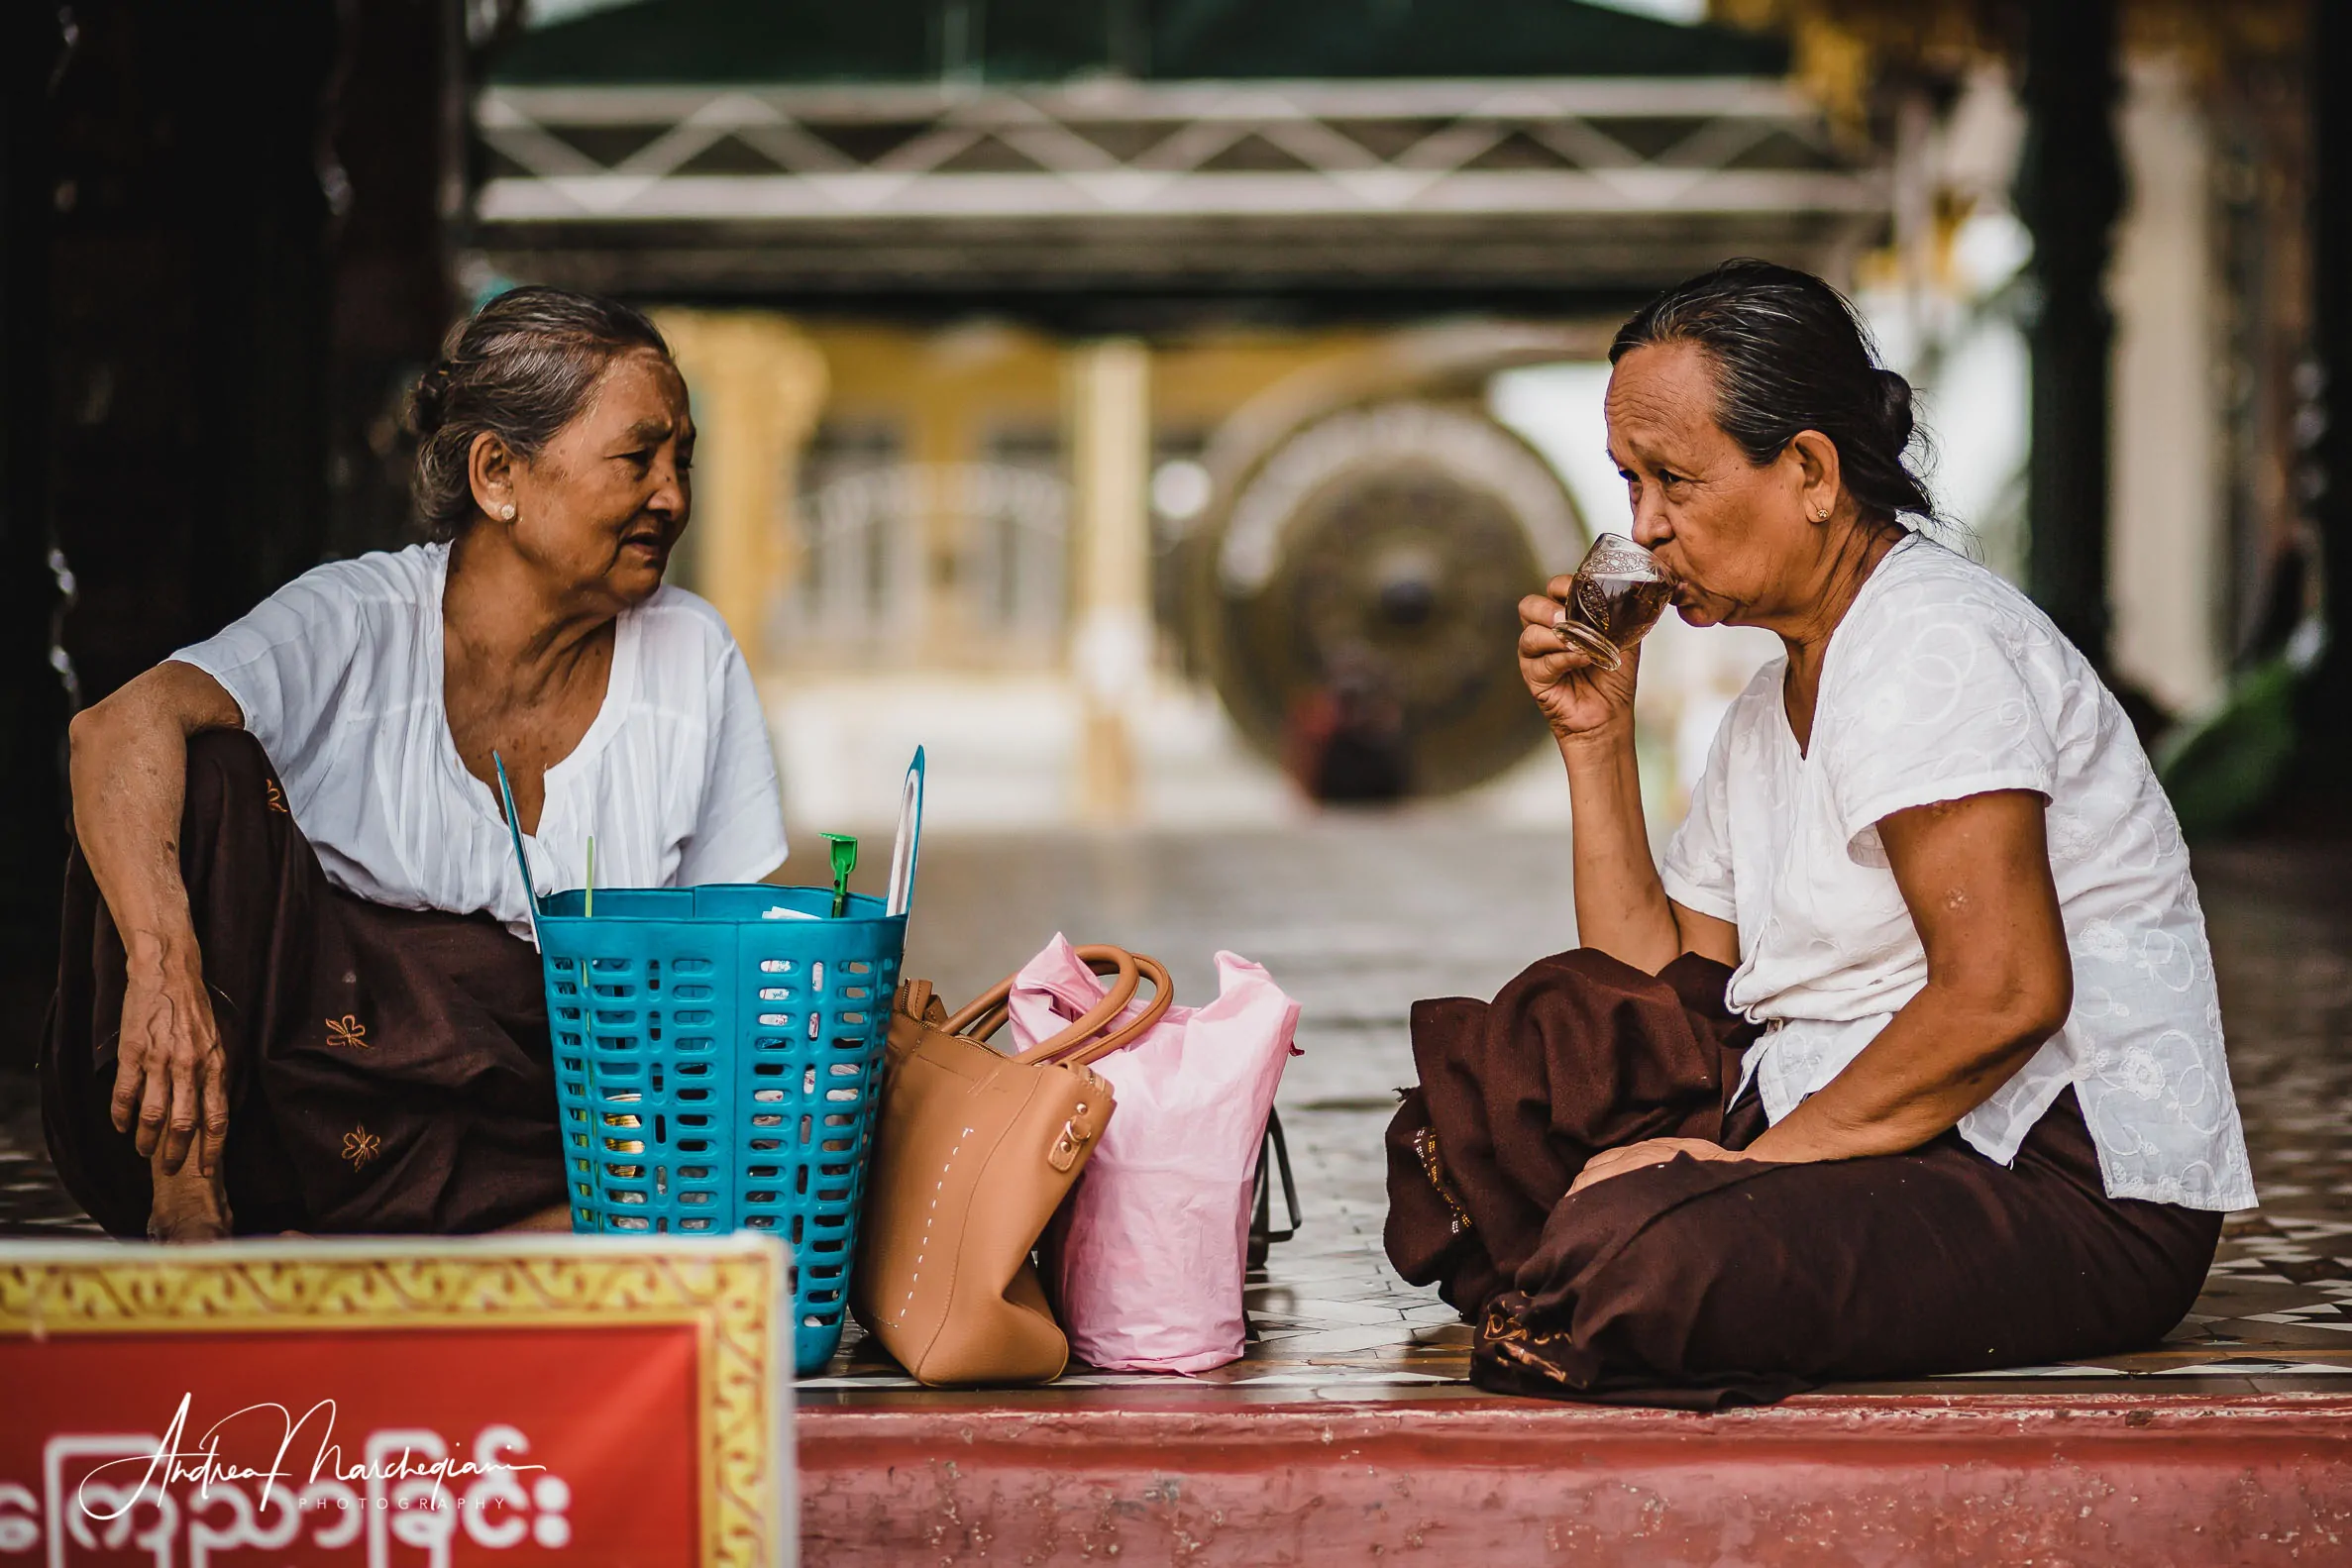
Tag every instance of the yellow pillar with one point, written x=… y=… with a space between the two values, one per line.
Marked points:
x=1111 y=647
x=758 y=386
x=940 y=444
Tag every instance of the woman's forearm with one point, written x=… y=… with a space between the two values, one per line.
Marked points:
x=130 y=768
x=130 y=778
x=1621 y=906
x=130 y=764
x=1974 y=873
x=1938 y=1059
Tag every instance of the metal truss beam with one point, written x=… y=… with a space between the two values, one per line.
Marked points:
x=1242 y=170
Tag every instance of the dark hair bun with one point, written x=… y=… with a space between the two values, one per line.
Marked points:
x=1894 y=397
x=428 y=401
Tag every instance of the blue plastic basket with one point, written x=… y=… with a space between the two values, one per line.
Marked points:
x=718 y=1056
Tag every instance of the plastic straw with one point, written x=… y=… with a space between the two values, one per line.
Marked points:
x=590 y=912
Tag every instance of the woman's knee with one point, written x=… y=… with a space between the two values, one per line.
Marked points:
x=1633 y=1242
x=223 y=760
x=236 y=825
x=1660 y=1268
x=228 y=767
x=2177 y=1247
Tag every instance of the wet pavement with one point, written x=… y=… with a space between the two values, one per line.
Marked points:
x=1358 y=917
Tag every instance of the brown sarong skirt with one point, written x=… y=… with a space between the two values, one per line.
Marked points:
x=388 y=1069
x=1699 y=1284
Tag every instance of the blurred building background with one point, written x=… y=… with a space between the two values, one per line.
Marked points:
x=1156 y=407
x=1126 y=400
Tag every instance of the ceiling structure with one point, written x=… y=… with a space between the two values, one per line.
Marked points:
x=1591 y=183
x=1430 y=151
x=740 y=42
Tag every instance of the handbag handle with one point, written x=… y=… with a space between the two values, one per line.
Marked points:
x=994 y=999
x=1162 y=994
x=1076 y=1045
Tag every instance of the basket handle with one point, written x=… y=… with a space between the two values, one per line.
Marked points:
x=514 y=830
x=906 y=849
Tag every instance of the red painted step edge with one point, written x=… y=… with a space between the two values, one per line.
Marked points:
x=1823 y=1481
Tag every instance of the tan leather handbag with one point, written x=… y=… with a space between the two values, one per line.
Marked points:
x=973 y=1151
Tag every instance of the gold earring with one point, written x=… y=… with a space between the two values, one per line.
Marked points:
x=507 y=512
x=1821 y=517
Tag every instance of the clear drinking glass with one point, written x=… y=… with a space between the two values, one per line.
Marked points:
x=1617 y=593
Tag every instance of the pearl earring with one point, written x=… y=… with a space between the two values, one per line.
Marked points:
x=508 y=511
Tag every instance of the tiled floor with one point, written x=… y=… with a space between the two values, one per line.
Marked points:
x=1335 y=1322
x=30 y=1201
x=1358 y=917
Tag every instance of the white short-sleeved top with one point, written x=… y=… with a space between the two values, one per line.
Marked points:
x=1943 y=682
x=339 y=674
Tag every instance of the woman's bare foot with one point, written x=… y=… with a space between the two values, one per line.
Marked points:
x=189 y=1205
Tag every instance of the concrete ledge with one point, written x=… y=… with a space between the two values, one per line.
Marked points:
x=1827 y=1480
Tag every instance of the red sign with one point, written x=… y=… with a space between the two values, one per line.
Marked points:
x=439 y=1446
x=395 y=1405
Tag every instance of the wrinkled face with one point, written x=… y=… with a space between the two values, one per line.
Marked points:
x=598 y=509
x=1739 y=538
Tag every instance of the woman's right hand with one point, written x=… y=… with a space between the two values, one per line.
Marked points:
x=1578 y=698
x=171 y=1078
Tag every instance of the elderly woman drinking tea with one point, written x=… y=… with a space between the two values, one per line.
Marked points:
x=1905 y=1057
x=299 y=991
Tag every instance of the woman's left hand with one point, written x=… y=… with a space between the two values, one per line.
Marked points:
x=1651 y=1151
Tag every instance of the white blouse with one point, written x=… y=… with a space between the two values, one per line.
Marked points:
x=338 y=674
x=1943 y=682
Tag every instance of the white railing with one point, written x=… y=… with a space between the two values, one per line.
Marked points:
x=979 y=547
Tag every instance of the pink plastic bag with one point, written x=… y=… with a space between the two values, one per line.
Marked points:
x=1145 y=1257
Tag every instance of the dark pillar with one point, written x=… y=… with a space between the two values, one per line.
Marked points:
x=2070 y=192
x=224 y=257
x=2326 y=709
x=166 y=312
x=33 y=700
x=189 y=318
x=394 y=139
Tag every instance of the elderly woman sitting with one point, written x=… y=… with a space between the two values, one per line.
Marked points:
x=297 y=991
x=1908 y=1058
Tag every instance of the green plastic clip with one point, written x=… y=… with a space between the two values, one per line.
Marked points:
x=845 y=860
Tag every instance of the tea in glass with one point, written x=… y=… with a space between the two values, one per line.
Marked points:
x=1617 y=593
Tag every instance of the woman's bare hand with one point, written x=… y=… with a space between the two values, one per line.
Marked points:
x=1578 y=696
x=171 y=1074
x=1649 y=1152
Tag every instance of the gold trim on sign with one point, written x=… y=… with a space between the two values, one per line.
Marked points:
x=731 y=1291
